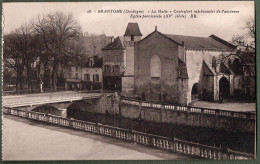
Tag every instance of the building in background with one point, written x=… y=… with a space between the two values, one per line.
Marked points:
x=85 y=77
x=118 y=60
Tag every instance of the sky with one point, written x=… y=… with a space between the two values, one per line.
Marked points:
x=224 y=25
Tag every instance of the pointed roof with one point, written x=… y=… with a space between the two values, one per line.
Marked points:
x=117 y=44
x=132 y=29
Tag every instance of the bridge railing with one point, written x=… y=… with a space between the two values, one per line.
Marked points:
x=207 y=111
x=43 y=97
x=155 y=141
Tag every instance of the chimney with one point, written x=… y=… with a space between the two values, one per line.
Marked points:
x=155 y=28
x=112 y=39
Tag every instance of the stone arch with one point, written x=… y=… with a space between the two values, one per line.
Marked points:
x=155 y=67
x=78 y=109
x=195 y=92
x=48 y=109
x=224 y=88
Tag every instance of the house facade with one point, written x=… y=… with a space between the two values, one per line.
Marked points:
x=180 y=69
x=118 y=60
x=87 y=77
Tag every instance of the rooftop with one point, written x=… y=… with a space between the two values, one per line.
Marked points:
x=117 y=44
x=132 y=29
x=202 y=43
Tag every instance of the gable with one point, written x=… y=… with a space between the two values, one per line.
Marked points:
x=156 y=36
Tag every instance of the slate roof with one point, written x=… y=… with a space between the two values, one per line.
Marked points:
x=202 y=43
x=132 y=29
x=117 y=44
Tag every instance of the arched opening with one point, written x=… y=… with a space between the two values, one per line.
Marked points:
x=81 y=110
x=195 y=92
x=47 y=109
x=224 y=88
x=155 y=67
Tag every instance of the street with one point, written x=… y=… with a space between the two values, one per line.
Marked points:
x=29 y=140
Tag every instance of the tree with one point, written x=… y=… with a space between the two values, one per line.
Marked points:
x=57 y=31
x=246 y=49
x=246 y=40
x=20 y=52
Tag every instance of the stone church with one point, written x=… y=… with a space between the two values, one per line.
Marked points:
x=173 y=68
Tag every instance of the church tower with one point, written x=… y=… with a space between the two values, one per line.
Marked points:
x=132 y=35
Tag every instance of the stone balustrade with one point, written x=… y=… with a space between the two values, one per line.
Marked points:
x=207 y=111
x=171 y=144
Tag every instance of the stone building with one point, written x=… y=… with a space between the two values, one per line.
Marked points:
x=179 y=69
x=118 y=60
x=86 y=77
x=171 y=68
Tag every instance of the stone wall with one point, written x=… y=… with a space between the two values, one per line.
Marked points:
x=194 y=62
x=167 y=51
x=187 y=118
x=128 y=77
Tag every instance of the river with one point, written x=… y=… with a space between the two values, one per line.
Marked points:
x=236 y=141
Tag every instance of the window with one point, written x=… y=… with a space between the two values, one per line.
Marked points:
x=107 y=68
x=96 y=77
x=116 y=68
x=77 y=76
x=132 y=37
x=155 y=67
x=116 y=58
x=113 y=68
x=76 y=68
x=70 y=75
x=87 y=77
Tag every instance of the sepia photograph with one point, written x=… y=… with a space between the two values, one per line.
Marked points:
x=136 y=80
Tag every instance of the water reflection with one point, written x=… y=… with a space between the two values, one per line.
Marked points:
x=219 y=138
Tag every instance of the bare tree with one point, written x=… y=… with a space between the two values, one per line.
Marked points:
x=30 y=51
x=246 y=40
x=12 y=57
x=20 y=52
x=57 y=31
x=246 y=50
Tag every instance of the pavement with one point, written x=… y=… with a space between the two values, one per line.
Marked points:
x=25 y=139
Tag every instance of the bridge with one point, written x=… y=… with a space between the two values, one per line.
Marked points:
x=35 y=107
x=58 y=100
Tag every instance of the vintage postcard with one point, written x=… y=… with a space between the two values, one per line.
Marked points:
x=129 y=80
